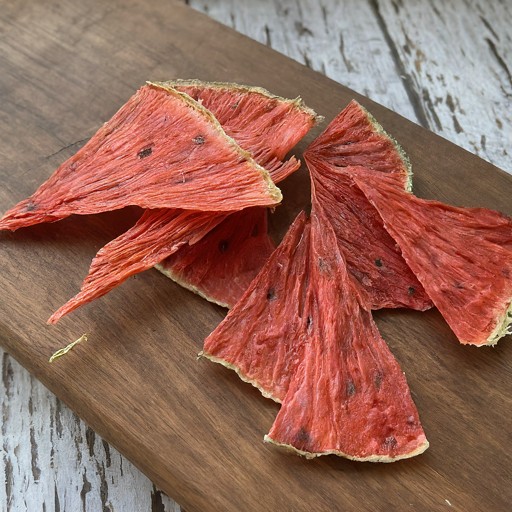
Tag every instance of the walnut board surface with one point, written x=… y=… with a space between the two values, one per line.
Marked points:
x=192 y=426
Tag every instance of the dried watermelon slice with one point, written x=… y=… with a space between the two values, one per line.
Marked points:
x=265 y=125
x=269 y=126
x=223 y=264
x=260 y=336
x=462 y=256
x=354 y=138
x=301 y=335
x=373 y=257
x=122 y=257
x=161 y=150
x=348 y=395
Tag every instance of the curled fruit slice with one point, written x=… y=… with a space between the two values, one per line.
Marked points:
x=303 y=335
x=348 y=396
x=162 y=149
x=355 y=139
x=462 y=256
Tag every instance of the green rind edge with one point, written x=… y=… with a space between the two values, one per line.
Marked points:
x=371 y=458
x=502 y=329
x=401 y=153
x=188 y=286
x=194 y=82
x=273 y=191
x=235 y=368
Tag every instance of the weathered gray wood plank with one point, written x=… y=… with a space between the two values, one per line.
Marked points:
x=444 y=65
x=52 y=461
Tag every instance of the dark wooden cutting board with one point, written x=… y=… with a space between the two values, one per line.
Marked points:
x=192 y=426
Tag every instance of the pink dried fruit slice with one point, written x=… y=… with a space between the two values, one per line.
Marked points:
x=462 y=256
x=354 y=138
x=121 y=258
x=269 y=126
x=265 y=125
x=259 y=336
x=161 y=150
x=222 y=265
x=301 y=334
x=348 y=396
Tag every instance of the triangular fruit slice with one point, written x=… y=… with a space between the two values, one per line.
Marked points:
x=122 y=257
x=259 y=336
x=348 y=396
x=162 y=149
x=462 y=256
x=265 y=125
x=354 y=138
x=259 y=119
x=222 y=265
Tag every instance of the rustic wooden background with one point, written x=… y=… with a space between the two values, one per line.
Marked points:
x=444 y=65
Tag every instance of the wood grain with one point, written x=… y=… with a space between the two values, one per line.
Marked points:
x=196 y=430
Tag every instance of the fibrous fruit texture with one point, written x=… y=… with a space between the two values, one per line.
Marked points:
x=221 y=266
x=122 y=257
x=265 y=125
x=261 y=337
x=315 y=348
x=462 y=256
x=160 y=150
x=352 y=140
x=268 y=126
x=348 y=395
